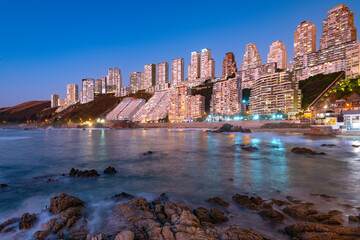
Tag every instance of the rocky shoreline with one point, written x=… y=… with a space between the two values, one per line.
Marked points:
x=133 y=217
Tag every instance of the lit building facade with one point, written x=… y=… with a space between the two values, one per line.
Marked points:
x=229 y=65
x=177 y=71
x=62 y=102
x=304 y=39
x=72 y=93
x=194 y=67
x=88 y=90
x=149 y=76
x=249 y=76
x=54 y=100
x=114 y=81
x=251 y=57
x=338 y=27
x=207 y=64
x=135 y=81
x=184 y=106
x=278 y=55
x=163 y=75
x=225 y=98
x=273 y=93
x=338 y=48
x=98 y=86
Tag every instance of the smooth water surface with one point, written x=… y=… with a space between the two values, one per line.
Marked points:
x=189 y=165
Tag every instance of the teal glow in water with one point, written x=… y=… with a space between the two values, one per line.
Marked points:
x=191 y=165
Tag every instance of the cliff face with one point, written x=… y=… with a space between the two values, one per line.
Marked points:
x=23 y=112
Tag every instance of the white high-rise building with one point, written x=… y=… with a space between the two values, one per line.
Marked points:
x=135 y=81
x=88 y=90
x=278 y=55
x=114 y=81
x=54 y=100
x=163 y=75
x=177 y=71
x=251 y=57
x=207 y=64
x=149 y=76
x=194 y=67
x=72 y=93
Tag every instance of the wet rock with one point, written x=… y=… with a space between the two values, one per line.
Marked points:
x=202 y=214
x=95 y=236
x=8 y=222
x=354 y=218
x=326 y=196
x=27 y=221
x=355 y=146
x=9 y=230
x=83 y=174
x=125 y=235
x=292 y=199
x=50 y=180
x=110 y=170
x=300 y=212
x=236 y=232
x=279 y=202
x=320 y=131
x=218 y=201
x=217 y=216
x=122 y=196
x=41 y=235
x=335 y=212
x=250 y=203
x=78 y=234
x=309 y=231
x=3 y=185
x=299 y=150
x=148 y=153
x=272 y=214
x=249 y=148
x=226 y=127
x=64 y=201
x=328 y=145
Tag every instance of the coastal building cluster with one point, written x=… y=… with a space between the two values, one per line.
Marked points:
x=274 y=85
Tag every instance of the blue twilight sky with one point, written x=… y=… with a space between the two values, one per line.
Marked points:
x=47 y=44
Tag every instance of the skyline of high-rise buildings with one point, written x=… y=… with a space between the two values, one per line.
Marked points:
x=339 y=51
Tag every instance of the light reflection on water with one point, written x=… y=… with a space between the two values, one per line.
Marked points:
x=193 y=165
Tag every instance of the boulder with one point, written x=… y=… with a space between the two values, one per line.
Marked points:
x=217 y=216
x=299 y=150
x=3 y=185
x=236 y=232
x=249 y=148
x=122 y=196
x=272 y=214
x=125 y=235
x=95 y=236
x=320 y=131
x=7 y=223
x=328 y=145
x=110 y=170
x=250 y=203
x=27 y=221
x=63 y=202
x=83 y=174
x=354 y=218
x=218 y=201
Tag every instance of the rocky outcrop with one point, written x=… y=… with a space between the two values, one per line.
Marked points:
x=252 y=203
x=122 y=196
x=110 y=170
x=299 y=150
x=68 y=211
x=309 y=231
x=83 y=174
x=320 y=131
x=165 y=219
x=217 y=201
x=226 y=127
x=125 y=235
x=27 y=221
x=328 y=145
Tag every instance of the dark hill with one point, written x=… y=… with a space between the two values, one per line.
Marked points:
x=24 y=112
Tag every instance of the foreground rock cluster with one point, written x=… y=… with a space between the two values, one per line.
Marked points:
x=163 y=219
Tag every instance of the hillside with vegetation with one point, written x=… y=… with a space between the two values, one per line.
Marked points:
x=95 y=109
x=312 y=87
x=27 y=111
x=346 y=88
